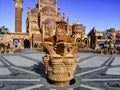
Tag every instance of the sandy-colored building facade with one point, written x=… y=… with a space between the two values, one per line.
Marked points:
x=101 y=39
x=43 y=21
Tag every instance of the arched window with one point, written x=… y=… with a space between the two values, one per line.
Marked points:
x=78 y=40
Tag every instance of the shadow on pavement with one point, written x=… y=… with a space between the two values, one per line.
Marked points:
x=40 y=69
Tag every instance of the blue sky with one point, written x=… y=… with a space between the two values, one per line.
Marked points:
x=102 y=14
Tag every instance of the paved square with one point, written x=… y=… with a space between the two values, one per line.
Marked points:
x=1 y=63
x=113 y=71
x=36 y=56
x=96 y=61
x=20 y=61
x=26 y=71
x=4 y=71
x=116 y=61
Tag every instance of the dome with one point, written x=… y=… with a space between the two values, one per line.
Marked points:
x=48 y=9
x=50 y=21
x=35 y=10
x=77 y=23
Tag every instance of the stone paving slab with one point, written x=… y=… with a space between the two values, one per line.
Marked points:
x=37 y=56
x=116 y=61
x=4 y=71
x=20 y=61
x=113 y=71
x=96 y=61
x=1 y=63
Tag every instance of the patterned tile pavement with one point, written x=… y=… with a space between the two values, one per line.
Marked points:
x=26 y=71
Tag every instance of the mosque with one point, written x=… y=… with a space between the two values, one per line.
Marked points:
x=45 y=20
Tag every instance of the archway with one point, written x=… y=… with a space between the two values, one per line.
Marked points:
x=86 y=41
x=78 y=40
x=26 y=43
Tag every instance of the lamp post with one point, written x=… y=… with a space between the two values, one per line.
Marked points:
x=5 y=31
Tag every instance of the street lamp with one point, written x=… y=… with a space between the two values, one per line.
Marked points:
x=5 y=31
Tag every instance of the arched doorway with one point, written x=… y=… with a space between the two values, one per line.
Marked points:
x=78 y=40
x=86 y=42
x=26 y=43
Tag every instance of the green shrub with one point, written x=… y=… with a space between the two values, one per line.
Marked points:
x=118 y=52
x=118 y=48
x=89 y=51
x=18 y=50
x=41 y=50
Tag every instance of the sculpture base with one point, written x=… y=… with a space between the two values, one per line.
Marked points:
x=59 y=83
x=62 y=84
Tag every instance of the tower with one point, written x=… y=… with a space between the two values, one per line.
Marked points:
x=18 y=15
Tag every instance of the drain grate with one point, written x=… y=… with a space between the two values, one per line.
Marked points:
x=2 y=86
x=15 y=74
x=113 y=84
x=103 y=74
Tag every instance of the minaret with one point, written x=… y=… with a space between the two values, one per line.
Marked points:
x=56 y=2
x=18 y=15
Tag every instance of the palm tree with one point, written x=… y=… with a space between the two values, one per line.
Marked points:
x=4 y=30
x=1 y=30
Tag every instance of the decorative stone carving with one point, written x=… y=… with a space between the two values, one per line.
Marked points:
x=60 y=59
